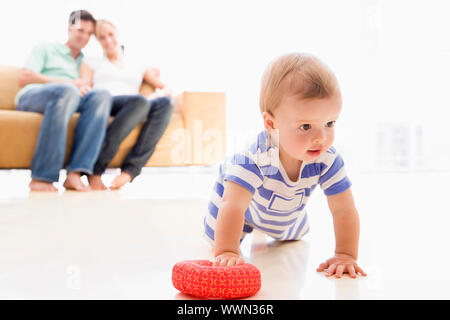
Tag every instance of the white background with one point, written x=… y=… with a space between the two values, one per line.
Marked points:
x=391 y=58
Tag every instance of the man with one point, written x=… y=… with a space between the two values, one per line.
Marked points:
x=52 y=86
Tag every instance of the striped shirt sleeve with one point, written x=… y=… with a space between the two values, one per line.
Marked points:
x=241 y=169
x=334 y=179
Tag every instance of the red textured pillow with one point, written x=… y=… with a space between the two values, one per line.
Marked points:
x=201 y=279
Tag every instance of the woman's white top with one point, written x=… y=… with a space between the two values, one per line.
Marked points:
x=118 y=80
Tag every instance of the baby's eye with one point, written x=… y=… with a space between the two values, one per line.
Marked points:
x=305 y=127
x=330 y=124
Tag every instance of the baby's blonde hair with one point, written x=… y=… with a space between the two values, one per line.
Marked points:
x=297 y=74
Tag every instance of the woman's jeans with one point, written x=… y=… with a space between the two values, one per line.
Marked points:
x=58 y=102
x=129 y=111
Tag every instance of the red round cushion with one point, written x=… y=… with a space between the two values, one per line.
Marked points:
x=201 y=279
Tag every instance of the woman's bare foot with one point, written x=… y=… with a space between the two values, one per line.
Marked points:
x=73 y=182
x=39 y=185
x=119 y=181
x=96 y=183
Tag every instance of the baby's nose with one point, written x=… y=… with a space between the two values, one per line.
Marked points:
x=319 y=136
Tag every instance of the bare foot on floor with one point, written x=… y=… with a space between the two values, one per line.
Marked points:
x=73 y=182
x=119 y=181
x=96 y=183
x=39 y=185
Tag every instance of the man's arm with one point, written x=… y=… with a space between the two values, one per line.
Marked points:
x=35 y=63
x=27 y=76
x=86 y=73
x=85 y=82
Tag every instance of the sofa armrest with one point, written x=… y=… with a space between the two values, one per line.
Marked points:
x=8 y=86
x=18 y=134
x=204 y=117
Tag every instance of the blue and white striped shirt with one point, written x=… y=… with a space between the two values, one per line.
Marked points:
x=278 y=204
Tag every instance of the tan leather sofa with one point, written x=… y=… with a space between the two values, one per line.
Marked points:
x=195 y=135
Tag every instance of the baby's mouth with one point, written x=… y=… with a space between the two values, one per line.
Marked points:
x=314 y=152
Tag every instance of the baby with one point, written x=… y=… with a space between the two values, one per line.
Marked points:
x=267 y=186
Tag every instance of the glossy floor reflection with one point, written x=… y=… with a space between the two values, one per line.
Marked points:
x=123 y=244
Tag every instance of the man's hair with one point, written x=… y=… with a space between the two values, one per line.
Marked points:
x=298 y=74
x=78 y=15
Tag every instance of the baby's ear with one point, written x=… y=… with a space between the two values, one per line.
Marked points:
x=269 y=121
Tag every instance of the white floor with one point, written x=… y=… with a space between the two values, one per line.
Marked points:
x=123 y=244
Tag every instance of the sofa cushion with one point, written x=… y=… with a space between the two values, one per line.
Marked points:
x=19 y=131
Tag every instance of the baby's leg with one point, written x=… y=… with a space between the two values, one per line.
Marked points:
x=298 y=229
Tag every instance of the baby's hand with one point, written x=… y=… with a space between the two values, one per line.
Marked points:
x=340 y=264
x=228 y=259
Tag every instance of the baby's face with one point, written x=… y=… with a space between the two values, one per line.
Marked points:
x=306 y=127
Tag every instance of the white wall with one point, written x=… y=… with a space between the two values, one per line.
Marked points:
x=391 y=57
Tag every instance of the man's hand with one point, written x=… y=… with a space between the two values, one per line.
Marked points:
x=339 y=264
x=228 y=259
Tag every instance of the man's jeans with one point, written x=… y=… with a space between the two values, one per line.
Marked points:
x=128 y=112
x=58 y=102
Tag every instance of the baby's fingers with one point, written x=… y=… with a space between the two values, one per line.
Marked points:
x=224 y=261
x=228 y=261
x=351 y=271
x=234 y=261
x=331 y=270
x=221 y=261
x=360 y=271
x=216 y=262
x=322 y=267
x=340 y=270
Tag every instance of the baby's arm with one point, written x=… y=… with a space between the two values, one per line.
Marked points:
x=230 y=221
x=346 y=230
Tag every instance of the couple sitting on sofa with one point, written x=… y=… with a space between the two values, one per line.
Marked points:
x=57 y=82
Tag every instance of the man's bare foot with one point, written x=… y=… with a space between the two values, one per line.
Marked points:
x=73 y=182
x=39 y=185
x=96 y=183
x=119 y=181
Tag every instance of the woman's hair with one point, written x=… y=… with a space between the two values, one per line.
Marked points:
x=101 y=22
x=298 y=74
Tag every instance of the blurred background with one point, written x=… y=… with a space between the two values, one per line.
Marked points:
x=391 y=59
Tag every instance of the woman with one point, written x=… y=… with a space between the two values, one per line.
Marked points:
x=122 y=79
